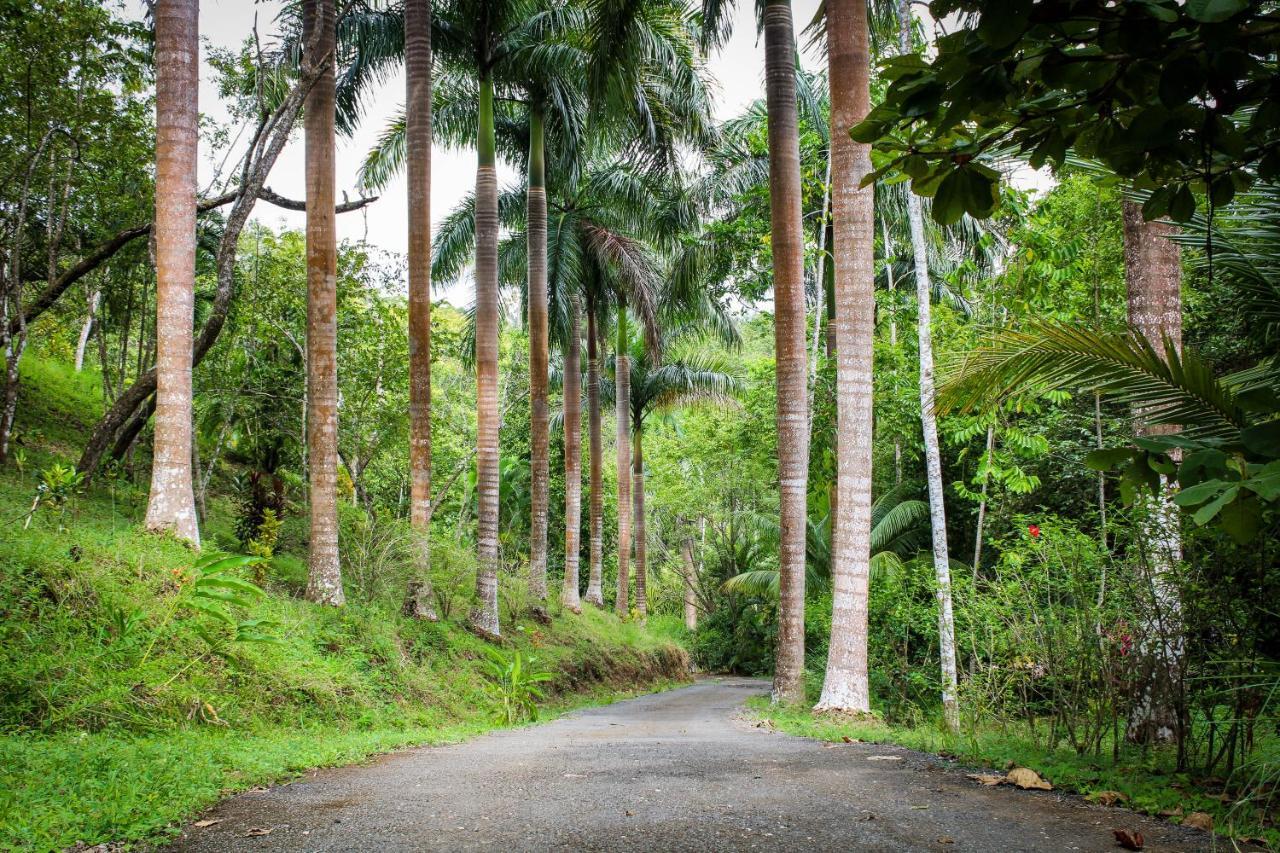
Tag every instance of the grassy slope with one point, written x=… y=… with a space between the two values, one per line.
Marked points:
x=119 y=721
x=1146 y=783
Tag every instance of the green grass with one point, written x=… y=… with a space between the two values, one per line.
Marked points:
x=1143 y=778
x=118 y=717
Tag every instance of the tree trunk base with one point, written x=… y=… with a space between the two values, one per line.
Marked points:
x=540 y=615
x=418 y=604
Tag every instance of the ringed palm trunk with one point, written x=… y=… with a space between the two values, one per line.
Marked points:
x=929 y=423
x=538 y=358
x=171 y=506
x=484 y=615
x=622 y=397
x=572 y=460
x=637 y=504
x=789 y=344
x=1153 y=278
x=595 y=582
x=690 y=596
x=846 y=686
x=324 y=581
x=417 y=64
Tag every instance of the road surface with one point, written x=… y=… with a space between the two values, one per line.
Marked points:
x=671 y=771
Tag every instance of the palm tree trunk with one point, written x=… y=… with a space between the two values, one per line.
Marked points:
x=789 y=343
x=538 y=357
x=419 y=601
x=595 y=582
x=1153 y=277
x=324 y=585
x=637 y=501
x=484 y=616
x=172 y=504
x=324 y=581
x=622 y=410
x=690 y=594
x=846 y=686
x=572 y=459
x=932 y=454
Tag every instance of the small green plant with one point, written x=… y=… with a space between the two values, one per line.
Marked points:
x=58 y=485
x=514 y=688
x=263 y=542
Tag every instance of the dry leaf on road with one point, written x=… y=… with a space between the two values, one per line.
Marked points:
x=1129 y=839
x=1027 y=779
x=1107 y=798
x=1199 y=820
x=255 y=831
x=988 y=779
x=209 y=821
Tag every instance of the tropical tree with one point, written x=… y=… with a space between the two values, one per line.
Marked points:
x=324 y=581
x=846 y=686
x=418 y=97
x=787 y=237
x=694 y=374
x=171 y=505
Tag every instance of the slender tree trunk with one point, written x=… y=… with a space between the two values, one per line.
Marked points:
x=622 y=412
x=1153 y=276
x=932 y=454
x=572 y=459
x=637 y=502
x=789 y=343
x=982 y=507
x=324 y=581
x=595 y=449
x=87 y=329
x=420 y=598
x=539 y=355
x=829 y=287
x=484 y=615
x=172 y=503
x=690 y=593
x=846 y=685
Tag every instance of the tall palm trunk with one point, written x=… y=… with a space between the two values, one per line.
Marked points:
x=789 y=343
x=572 y=459
x=846 y=685
x=538 y=358
x=637 y=504
x=622 y=399
x=417 y=66
x=929 y=423
x=324 y=580
x=690 y=595
x=1153 y=278
x=484 y=615
x=172 y=504
x=595 y=582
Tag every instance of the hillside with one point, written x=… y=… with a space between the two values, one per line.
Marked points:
x=125 y=709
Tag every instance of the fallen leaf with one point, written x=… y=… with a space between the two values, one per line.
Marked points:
x=988 y=779
x=1199 y=820
x=1172 y=812
x=869 y=816
x=209 y=821
x=946 y=839
x=1129 y=839
x=256 y=831
x=846 y=738
x=884 y=758
x=1027 y=779
x=921 y=808
x=630 y=813
x=1107 y=798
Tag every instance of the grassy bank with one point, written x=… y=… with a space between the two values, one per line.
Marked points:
x=125 y=707
x=1144 y=778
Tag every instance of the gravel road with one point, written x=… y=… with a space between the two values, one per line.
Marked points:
x=670 y=771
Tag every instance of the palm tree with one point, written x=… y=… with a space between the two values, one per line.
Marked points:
x=929 y=425
x=1153 y=278
x=324 y=577
x=787 y=241
x=595 y=578
x=569 y=595
x=417 y=63
x=846 y=686
x=171 y=505
x=694 y=375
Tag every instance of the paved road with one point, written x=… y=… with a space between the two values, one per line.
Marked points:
x=672 y=771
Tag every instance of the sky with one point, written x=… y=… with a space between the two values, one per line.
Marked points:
x=738 y=71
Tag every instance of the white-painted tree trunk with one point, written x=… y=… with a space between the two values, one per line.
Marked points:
x=87 y=329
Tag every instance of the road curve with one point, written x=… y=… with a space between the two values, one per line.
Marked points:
x=670 y=771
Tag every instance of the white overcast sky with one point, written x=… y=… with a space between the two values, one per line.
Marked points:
x=738 y=71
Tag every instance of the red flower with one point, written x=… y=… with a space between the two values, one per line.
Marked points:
x=1034 y=530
